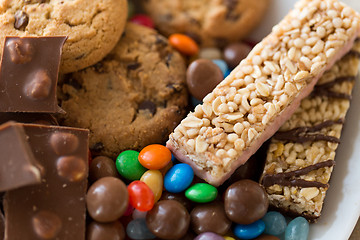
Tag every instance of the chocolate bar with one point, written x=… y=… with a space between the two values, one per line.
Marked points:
x=29 y=74
x=54 y=209
x=301 y=155
x=19 y=166
x=260 y=94
x=37 y=118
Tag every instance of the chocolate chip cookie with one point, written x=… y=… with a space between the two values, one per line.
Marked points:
x=210 y=22
x=93 y=27
x=134 y=97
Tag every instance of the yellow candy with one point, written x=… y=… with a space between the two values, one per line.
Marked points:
x=228 y=238
x=154 y=180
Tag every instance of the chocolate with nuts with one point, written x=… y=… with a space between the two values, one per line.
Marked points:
x=54 y=209
x=29 y=74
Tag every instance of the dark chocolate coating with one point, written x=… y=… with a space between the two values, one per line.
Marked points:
x=105 y=231
x=168 y=219
x=234 y=53
x=245 y=202
x=180 y=197
x=202 y=76
x=210 y=218
x=107 y=199
x=102 y=166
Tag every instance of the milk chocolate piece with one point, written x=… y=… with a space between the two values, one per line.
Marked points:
x=18 y=164
x=54 y=209
x=29 y=74
x=37 y=118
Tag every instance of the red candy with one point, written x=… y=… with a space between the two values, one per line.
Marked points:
x=140 y=196
x=184 y=44
x=142 y=19
x=155 y=156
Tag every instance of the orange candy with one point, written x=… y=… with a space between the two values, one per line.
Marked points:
x=155 y=156
x=184 y=44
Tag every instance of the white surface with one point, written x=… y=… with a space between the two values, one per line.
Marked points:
x=342 y=203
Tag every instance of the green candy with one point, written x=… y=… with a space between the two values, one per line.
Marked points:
x=201 y=193
x=128 y=165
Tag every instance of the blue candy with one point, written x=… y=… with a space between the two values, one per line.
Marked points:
x=137 y=229
x=178 y=178
x=297 y=229
x=222 y=65
x=249 y=231
x=209 y=236
x=275 y=223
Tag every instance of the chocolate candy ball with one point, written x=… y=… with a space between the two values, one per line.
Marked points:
x=210 y=218
x=107 y=199
x=202 y=76
x=180 y=197
x=100 y=167
x=235 y=52
x=245 y=202
x=168 y=219
x=105 y=231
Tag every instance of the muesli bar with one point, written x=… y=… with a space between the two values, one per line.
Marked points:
x=301 y=154
x=260 y=94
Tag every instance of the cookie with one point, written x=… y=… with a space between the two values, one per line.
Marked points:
x=133 y=98
x=210 y=22
x=93 y=27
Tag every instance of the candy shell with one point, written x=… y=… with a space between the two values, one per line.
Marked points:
x=297 y=229
x=222 y=65
x=210 y=53
x=178 y=178
x=209 y=236
x=154 y=180
x=275 y=223
x=143 y=20
x=154 y=156
x=201 y=193
x=140 y=196
x=249 y=231
x=184 y=44
x=128 y=165
x=137 y=229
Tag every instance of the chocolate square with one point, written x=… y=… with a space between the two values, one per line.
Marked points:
x=18 y=164
x=54 y=209
x=29 y=74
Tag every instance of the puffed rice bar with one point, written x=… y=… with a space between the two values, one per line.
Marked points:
x=260 y=94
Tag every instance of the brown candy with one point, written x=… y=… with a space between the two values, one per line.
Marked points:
x=210 y=218
x=102 y=166
x=245 y=202
x=105 y=231
x=107 y=199
x=234 y=53
x=202 y=76
x=168 y=219
x=180 y=197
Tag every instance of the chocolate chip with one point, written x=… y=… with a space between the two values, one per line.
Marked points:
x=64 y=143
x=168 y=59
x=73 y=82
x=72 y=168
x=160 y=40
x=99 y=67
x=21 y=51
x=176 y=87
x=46 y=224
x=39 y=87
x=133 y=66
x=148 y=105
x=21 y=20
x=97 y=147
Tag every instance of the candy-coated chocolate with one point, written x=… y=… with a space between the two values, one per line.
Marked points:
x=154 y=180
x=105 y=231
x=138 y=214
x=128 y=165
x=155 y=156
x=107 y=199
x=137 y=229
x=209 y=236
x=140 y=196
x=180 y=197
x=142 y=19
x=201 y=193
x=249 y=231
x=245 y=202
x=210 y=53
x=275 y=223
x=234 y=53
x=228 y=238
x=222 y=65
x=184 y=44
x=210 y=217
x=297 y=229
x=168 y=219
x=202 y=76
x=100 y=167
x=178 y=178
x=266 y=237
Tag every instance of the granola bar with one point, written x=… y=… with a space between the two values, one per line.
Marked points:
x=301 y=154
x=260 y=94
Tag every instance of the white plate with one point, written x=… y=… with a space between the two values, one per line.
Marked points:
x=342 y=203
